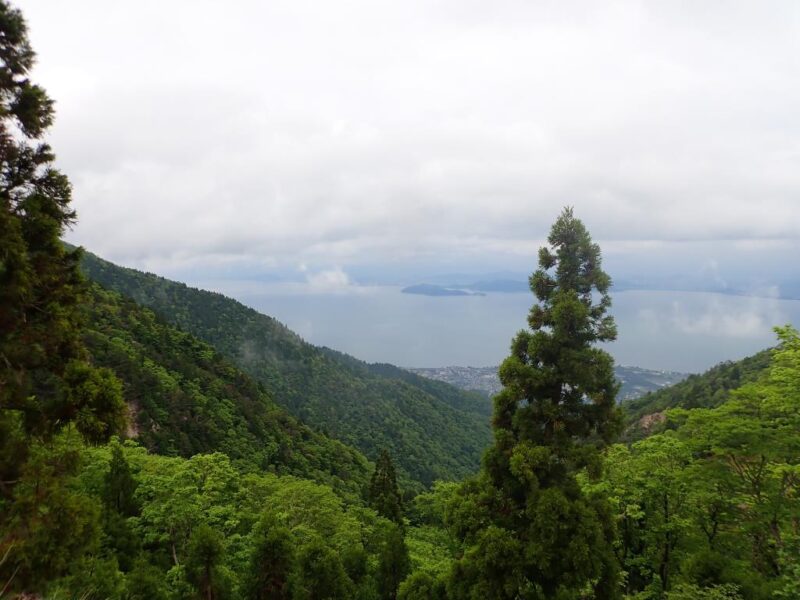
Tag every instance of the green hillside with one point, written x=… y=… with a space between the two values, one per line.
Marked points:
x=705 y=390
x=708 y=507
x=434 y=430
x=185 y=398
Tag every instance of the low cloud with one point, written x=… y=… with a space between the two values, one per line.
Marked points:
x=713 y=315
x=331 y=280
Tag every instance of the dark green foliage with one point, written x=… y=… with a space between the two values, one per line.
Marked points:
x=707 y=509
x=40 y=284
x=145 y=582
x=422 y=586
x=45 y=384
x=120 y=503
x=354 y=561
x=546 y=537
x=91 y=578
x=203 y=561
x=465 y=400
x=383 y=494
x=393 y=561
x=185 y=398
x=48 y=524
x=93 y=401
x=434 y=430
x=321 y=575
x=36 y=274
x=270 y=571
x=120 y=486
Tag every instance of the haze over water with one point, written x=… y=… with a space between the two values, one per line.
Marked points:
x=667 y=330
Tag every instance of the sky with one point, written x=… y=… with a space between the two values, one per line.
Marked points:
x=361 y=141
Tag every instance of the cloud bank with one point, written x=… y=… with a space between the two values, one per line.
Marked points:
x=342 y=134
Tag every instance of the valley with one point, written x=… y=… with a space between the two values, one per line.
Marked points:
x=634 y=381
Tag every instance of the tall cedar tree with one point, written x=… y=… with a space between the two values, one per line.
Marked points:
x=383 y=494
x=45 y=382
x=41 y=376
x=557 y=410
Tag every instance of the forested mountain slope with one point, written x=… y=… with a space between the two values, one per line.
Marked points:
x=457 y=397
x=709 y=507
x=434 y=431
x=185 y=398
x=705 y=390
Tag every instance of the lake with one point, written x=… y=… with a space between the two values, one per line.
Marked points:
x=669 y=330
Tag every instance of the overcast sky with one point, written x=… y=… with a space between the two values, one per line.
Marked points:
x=331 y=138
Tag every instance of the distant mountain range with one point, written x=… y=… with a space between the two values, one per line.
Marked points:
x=507 y=285
x=478 y=288
x=636 y=382
x=426 y=289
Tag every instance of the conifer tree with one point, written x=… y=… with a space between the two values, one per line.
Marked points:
x=204 y=557
x=545 y=538
x=38 y=277
x=269 y=575
x=42 y=378
x=383 y=494
x=394 y=562
x=120 y=486
x=45 y=381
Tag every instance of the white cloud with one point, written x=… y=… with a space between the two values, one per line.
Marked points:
x=298 y=131
x=329 y=280
x=721 y=316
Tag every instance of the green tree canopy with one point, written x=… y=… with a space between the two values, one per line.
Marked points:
x=39 y=279
x=545 y=538
x=383 y=494
x=269 y=575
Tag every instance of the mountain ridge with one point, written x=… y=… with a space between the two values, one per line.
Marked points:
x=185 y=398
x=433 y=434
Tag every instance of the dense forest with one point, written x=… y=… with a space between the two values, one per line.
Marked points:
x=161 y=442
x=435 y=431
x=184 y=398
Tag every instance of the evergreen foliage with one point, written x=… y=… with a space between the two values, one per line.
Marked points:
x=541 y=536
x=204 y=556
x=383 y=494
x=120 y=485
x=46 y=385
x=394 y=561
x=41 y=373
x=269 y=575
x=321 y=574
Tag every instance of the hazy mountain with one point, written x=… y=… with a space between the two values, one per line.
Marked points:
x=426 y=289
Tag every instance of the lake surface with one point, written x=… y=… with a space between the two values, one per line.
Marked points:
x=679 y=331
